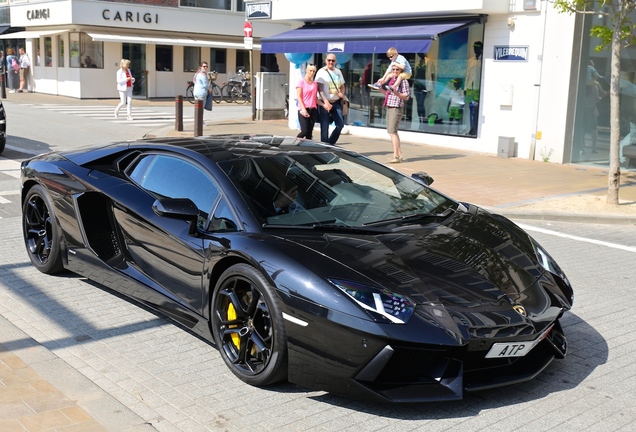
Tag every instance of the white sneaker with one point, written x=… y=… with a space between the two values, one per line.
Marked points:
x=116 y=114
x=129 y=118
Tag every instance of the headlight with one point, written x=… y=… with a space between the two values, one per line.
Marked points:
x=548 y=263
x=380 y=304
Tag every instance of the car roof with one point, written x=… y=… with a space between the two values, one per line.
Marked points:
x=224 y=147
x=213 y=147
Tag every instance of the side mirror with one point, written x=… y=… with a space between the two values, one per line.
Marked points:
x=178 y=208
x=422 y=177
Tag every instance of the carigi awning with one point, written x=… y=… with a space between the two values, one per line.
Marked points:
x=360 y=37
x=32 y=34
x=166 y=40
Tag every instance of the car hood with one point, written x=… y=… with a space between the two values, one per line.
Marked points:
x=469 y=263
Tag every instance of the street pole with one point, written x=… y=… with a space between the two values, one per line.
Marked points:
x=252 y=89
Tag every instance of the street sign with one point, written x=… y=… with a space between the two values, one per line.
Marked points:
x=247 y=29
x=248 y=42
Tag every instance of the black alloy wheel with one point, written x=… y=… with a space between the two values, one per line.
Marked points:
x=247 y=326
x=40 y=229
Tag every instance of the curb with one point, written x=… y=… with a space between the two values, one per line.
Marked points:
x=556 y=216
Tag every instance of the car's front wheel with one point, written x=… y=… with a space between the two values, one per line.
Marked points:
x=40 y=229
x=247 y=326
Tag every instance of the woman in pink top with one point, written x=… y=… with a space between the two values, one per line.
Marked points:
x=306 y=91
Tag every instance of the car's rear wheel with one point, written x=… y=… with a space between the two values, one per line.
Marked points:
x=247 y=326
x=41 y=232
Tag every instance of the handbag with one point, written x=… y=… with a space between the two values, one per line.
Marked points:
x=345 y=105
x=208 y=102
x=15 y=65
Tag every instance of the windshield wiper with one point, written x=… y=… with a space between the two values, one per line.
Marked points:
x=411 y=217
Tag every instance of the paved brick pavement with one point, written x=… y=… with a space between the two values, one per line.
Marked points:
x=76 y=357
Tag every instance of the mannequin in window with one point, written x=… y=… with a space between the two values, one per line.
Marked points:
x=473 y=83
x=424 y=82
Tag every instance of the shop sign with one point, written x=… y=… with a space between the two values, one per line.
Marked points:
x=129 y=16
x=260 y=10
x=530 y=5
x=511 y=53
x=38 y=14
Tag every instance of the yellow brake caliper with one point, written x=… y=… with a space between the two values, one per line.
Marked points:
x=231 y=316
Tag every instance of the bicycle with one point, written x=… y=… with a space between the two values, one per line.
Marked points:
x=238 y=88
x=214 y=88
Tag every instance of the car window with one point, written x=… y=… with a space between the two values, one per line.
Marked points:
x=173 y=177
x=223 y=219
x=329 y=188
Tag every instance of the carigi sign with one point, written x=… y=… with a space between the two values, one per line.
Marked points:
x=511 y=53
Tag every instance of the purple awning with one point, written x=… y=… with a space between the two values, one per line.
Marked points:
x=360 y=37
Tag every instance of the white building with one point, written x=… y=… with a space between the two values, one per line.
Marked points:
x=76 y=45
x=529 y=86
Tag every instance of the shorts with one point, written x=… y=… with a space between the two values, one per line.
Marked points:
x=393 y=117
x=24 y=73
x=405 y=75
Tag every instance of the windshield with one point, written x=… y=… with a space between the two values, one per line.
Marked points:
x=330 y=188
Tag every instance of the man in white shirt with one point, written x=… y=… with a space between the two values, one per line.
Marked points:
x=331 y=90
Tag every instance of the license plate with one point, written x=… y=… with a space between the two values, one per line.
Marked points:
x=515 y=349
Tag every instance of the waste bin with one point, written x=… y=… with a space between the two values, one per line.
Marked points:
x=506 y=147
x=271 y=91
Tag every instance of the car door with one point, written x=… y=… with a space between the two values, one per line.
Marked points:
x=162 y=247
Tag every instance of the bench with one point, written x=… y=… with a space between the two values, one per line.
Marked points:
x=629 y=153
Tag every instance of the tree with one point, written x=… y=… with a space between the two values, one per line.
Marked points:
x=617 y=34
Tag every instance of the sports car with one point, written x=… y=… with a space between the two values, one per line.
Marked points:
x=304 y=262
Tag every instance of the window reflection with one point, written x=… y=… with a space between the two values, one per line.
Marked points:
x=590 y=143
x=445 y=86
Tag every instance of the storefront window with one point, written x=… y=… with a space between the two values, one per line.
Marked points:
x=218 y=60
x=48 y=52
x=60 y=51
x=191 y=58
x=164 y=58
x=591 y=136
x=242 y=60
x=85 y=52
x=231 y=5
x=36 y=42
x=445 y=85
x=74 y=60
x=209 y=4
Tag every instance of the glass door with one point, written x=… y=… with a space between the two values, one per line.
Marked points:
x=136 y=53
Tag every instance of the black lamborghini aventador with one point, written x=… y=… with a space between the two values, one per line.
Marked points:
x=304 y=262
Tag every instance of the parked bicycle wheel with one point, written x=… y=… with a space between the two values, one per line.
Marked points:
x=239 y=95
x=217 y=95
x=226 y=93
x=190 y=93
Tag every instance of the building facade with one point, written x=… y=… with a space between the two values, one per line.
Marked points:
x=505 y=77
x=76 y=45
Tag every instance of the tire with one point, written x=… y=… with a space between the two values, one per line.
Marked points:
x=248 y=326
x=41 y=231
x=225 y=93
x=3 y=143
x=190 y=93
x=217 y=96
